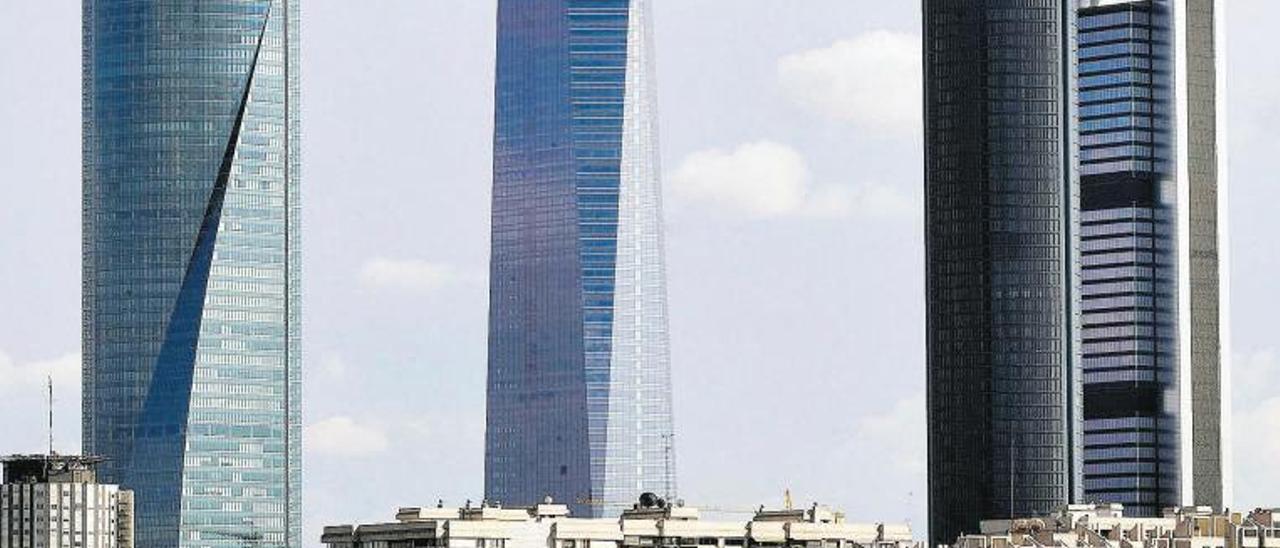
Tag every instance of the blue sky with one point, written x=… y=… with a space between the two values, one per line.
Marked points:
x=792 y=179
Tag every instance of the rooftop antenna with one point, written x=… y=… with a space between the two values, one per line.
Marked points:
x=911 y=497
x=50 y=379
x=670 y=478
x=1013 y=469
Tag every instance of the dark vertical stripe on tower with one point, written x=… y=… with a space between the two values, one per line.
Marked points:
x=157 y=456
x=173 y=373
x=1073 y=392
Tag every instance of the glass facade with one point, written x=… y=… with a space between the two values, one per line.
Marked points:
x=1128 y=242
x=1153 y=284
x=579 y=388
x=192 y=364
x=1002 y=204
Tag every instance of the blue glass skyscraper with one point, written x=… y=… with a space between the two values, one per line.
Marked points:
x=579 y=389
x=1129 y=297
x=192 y=381
x=1153 y=285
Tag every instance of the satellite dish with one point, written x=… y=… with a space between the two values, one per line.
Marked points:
x=649 y=500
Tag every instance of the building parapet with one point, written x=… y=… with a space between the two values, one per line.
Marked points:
x=56 y=500
x=1105 y=526
x=550 y=525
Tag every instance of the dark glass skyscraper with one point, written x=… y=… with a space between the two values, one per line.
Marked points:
x=1002 y=200
x=1153 y=335
x=1128 y=241
x=1076 y=329
x=579 y=387
x=192 y=380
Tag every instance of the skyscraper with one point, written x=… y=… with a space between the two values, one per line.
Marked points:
x=1129 y=298
x=1002 y=199
x=579 y=387
x=1145 y=236
x=1200 y=34
x=191 y=255
x=1153 y=334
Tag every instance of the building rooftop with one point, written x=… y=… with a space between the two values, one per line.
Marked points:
x=1105 y=526
x=51 y=468
x=652 y=520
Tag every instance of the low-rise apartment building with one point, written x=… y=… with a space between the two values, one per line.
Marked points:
x=549 y=525
x=55 y=501
x=1105 y=526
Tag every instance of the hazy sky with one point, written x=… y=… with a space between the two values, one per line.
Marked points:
x=790 y=134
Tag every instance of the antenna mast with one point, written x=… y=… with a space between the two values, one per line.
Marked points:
x=670 y=479
x=50 y=415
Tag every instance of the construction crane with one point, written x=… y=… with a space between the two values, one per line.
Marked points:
x=251 y=539
x=787 y=504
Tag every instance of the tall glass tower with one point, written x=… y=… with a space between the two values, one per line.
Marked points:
x=579 y=386
x=192 y=381
x=1132 y=447
x=1002 y=204
x=1150 y=239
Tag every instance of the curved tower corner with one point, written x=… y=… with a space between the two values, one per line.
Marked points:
x=1002 y=278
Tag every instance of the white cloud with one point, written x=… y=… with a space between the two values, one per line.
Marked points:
x=1256 y=427
x=899 y=434
x=883 y=451
x=1256 y=449
x=873 y=81
x=15 y=377
x=766 y=179
x=411 y=275
x=761 y=179
x=333 y=368
x=1255 y=376
x=345 y=437
x=866 y=201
